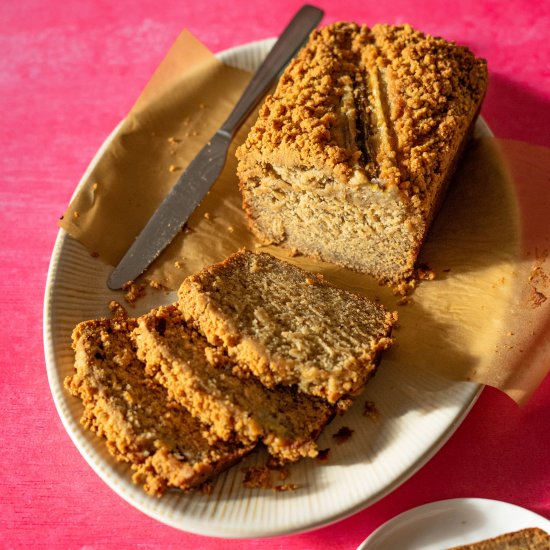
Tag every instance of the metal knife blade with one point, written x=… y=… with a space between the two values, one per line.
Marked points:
x=193 y=185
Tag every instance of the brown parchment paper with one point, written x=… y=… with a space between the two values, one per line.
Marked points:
x=485 y=317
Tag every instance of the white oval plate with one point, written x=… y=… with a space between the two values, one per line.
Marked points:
x=418 y=413
x=452 y=522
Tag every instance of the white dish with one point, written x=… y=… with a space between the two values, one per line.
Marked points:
x=418 y=413
x=452 y=522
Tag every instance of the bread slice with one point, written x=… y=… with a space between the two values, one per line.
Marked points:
x=199 y=376
x=350 y=156
x=531 y=538
x=141 y=425
x=285 y=326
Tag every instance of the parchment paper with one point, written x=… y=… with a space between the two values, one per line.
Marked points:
x=485 y=317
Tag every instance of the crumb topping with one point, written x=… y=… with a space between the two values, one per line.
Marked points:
x=382 y=104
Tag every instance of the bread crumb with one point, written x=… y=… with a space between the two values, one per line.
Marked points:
x=342 y=435
x=405 y=287
x=370 y=411
x=324 y=455
x=424 y=273
x=537 y=298
x=156 y=285
x=286 y=487
x=173 y=140
x=76 y=214
x=309 y=281
x=538 y=280
x=207 y=216
x=343 y=404
x=275 y=466
x=174 y=168
x=133 y=291
x=257 y=477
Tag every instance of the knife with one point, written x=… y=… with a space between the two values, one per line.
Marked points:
x=202 y=172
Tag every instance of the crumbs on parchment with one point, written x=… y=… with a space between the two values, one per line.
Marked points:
x=156 y=285
x=424 y=272
x=404 y=288
x=186 y=230
x=538 y=280
x=133 y=291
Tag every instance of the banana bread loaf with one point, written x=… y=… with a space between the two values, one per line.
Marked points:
x=350 y=156
x=142 y=426
x=285 y=326
x=199 y=376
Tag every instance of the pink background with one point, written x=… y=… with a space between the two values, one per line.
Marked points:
x=69 y=73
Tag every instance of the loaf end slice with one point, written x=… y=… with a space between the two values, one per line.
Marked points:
x=135 y=416
x=286 y=326
x=199 y=376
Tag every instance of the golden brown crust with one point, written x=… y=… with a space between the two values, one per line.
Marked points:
x=142 y=426
x=430 y=90
x=286 y=326
x=199 y=377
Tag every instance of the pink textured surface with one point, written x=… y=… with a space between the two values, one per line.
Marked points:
x=69 y=73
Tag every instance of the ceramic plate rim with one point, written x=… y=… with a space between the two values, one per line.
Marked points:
x=190 y=525
x=455 y=505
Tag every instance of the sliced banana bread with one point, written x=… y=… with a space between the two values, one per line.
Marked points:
x=199 y=376
x=531 y=538
x=285 y=326
x=163 y=443
x=350 y=156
